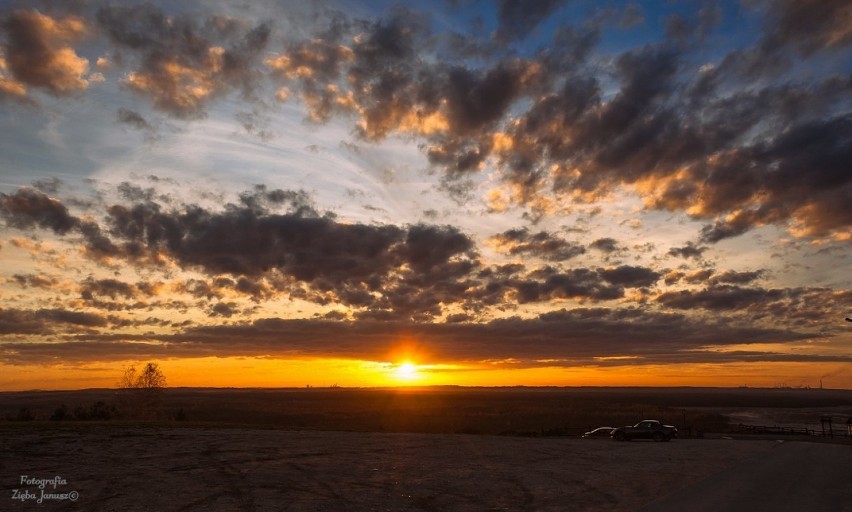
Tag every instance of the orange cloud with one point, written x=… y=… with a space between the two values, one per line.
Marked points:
x=38 y=54
x=176 y=87
x=8 y=85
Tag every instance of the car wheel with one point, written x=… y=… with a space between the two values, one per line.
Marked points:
x=619 y=436
x=659 y=436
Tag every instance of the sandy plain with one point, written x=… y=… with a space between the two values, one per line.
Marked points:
x=132 y=468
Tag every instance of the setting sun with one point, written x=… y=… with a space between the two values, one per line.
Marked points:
x=406 y=371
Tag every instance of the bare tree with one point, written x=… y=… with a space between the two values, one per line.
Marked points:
x=141 y=391
x=151 y=377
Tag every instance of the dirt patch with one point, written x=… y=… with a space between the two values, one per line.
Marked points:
x=188 y=469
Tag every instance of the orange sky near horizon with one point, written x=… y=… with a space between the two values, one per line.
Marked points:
x=251 y=372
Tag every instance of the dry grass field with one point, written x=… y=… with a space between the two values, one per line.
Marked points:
x=507 y=411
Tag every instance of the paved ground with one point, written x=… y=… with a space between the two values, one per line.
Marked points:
x=793 y=476
x=192 y=469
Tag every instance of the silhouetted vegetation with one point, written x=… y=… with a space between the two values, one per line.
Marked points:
x=539 y=412
x=60 y=413
x=99 y=410
x=141 y=392
x=23 y=414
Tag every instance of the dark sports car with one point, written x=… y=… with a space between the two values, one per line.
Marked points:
x=599 y=432
x=645 y=429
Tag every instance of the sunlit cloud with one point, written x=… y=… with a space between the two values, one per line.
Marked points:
x=36 y=52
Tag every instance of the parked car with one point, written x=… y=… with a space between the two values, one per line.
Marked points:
x=645 y=429
x=599 y=432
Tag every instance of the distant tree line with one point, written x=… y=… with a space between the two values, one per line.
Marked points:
x=139 y=397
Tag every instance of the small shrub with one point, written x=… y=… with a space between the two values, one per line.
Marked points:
x=24 y=414
x=101 y=410
x=60 y=413
x=81 y=413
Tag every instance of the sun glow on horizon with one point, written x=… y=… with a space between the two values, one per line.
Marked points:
x=407 y=372
x=245 y=372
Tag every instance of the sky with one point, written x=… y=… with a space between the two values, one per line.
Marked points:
x=458 y=192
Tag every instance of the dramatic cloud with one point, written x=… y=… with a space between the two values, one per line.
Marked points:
x=796 y=306
x=37 y=53
x=810 y=25
x=666 y=132
x=183 y=64
x=605 y=245
x=706 y=143
x=542 y=244
x=29 y=208
x=35 y=281
x=563 y=338
x=47 y=321
x=384 y=267
x=690 y=250
x=133 y=119
x=633 y=277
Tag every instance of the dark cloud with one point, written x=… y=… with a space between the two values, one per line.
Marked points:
x=542 y=245
x=723 y=297
x=710 y=276
x=48 y=185
x=690 y=250
x=260 y=199
x=16 y=321
x=243 y=240
x=411 y=270
x=274 y=243
x=578 y=283
x=112 y=288
x=37 y=53
x=224 y=309
x=132 y=192
x=428 y=247
x=737 y=143
x=475 y=100
x=791 y=306
x=810 y=25
x=133 y=119
x=605 y=245
x=579 y=337
x=701 y=276
x=42 y=281
x=734 y=277
x=714 y=143
x=631 y=277
x=63 y=316
x=47 y=321
x=29 y=208
x=183 y=64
